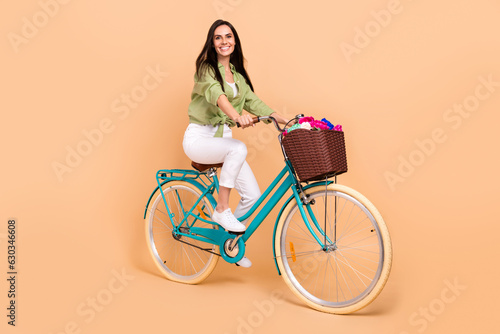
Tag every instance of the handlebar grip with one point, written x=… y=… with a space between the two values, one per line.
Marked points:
x=254 y=120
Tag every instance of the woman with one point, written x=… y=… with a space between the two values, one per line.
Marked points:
x=221 y=91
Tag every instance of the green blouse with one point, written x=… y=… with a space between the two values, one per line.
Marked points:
x=203 y=108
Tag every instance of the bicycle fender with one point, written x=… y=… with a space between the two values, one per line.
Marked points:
x=281 y=212
x=197 y=184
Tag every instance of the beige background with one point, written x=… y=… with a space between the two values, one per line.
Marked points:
x=77 y=231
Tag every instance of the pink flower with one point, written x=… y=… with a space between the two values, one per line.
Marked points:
x=338 y=127
x=306 y=119
x=320 y=125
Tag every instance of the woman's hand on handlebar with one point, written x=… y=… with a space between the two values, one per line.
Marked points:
x=244 y=121
x=226 y=107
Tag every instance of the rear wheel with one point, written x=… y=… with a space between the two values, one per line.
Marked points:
x=352 y=269
x=179 y=258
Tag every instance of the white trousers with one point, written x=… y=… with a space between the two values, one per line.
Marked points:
x=201 y=146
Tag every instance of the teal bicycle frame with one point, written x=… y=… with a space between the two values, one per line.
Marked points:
x=208 y=184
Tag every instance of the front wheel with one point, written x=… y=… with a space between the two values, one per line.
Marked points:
x=351 y=269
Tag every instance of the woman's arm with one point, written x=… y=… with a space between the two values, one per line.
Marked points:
x=279 y=118
x=255 y=106
x=244 y=120
x=226 y=107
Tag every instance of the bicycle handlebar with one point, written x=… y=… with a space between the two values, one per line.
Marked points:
x=254 y=120
x=275 y=122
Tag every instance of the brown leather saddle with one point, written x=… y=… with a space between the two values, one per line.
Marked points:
x=204 y=167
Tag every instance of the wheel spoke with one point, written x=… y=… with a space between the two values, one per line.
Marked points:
x=343 y=278
x=303 y=253
x=356 y=271
x=163 y=223
x=358 y=241
x=307 y=234
x=345 y=235
x=349 y=222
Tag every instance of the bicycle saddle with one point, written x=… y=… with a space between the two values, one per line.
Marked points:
x=203 y=167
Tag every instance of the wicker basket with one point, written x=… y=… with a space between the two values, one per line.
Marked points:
x=316 y=155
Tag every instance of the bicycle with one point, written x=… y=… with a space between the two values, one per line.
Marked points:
x=330 y=244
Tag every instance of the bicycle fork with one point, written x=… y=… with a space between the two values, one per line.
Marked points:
x=326 y=244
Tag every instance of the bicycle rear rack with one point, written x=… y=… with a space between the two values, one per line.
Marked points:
x=184 y=174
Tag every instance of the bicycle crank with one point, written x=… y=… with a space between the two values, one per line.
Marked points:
x=232 y=248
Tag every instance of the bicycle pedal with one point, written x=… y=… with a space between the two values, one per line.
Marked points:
x=236 y=233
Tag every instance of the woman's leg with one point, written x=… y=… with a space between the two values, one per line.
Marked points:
x=236 y=172
x=248 y=189
x=200 y=146
x=223 y=200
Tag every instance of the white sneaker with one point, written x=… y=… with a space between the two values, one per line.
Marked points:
x=244 y=262
x=228 y=221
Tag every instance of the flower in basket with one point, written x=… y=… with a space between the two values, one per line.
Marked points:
x=293 y=127
x=308 y=119
x=330 y=125
x=306 y=125
x=319 y=125
x=310 y=123
x=337 y=127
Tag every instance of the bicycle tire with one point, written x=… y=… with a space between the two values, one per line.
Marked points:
x=179 y=261
x=357 y=272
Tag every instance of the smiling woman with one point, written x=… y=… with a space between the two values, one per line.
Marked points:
x=221 y=91
x=224 y=41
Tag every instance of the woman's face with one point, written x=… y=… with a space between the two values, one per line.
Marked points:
x=224 y=41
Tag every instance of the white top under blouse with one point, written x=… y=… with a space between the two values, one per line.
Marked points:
x=233 y=86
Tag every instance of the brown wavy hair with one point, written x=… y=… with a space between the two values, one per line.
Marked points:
x=208 y=56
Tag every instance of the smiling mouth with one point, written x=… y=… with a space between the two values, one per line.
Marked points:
x=224 y=48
